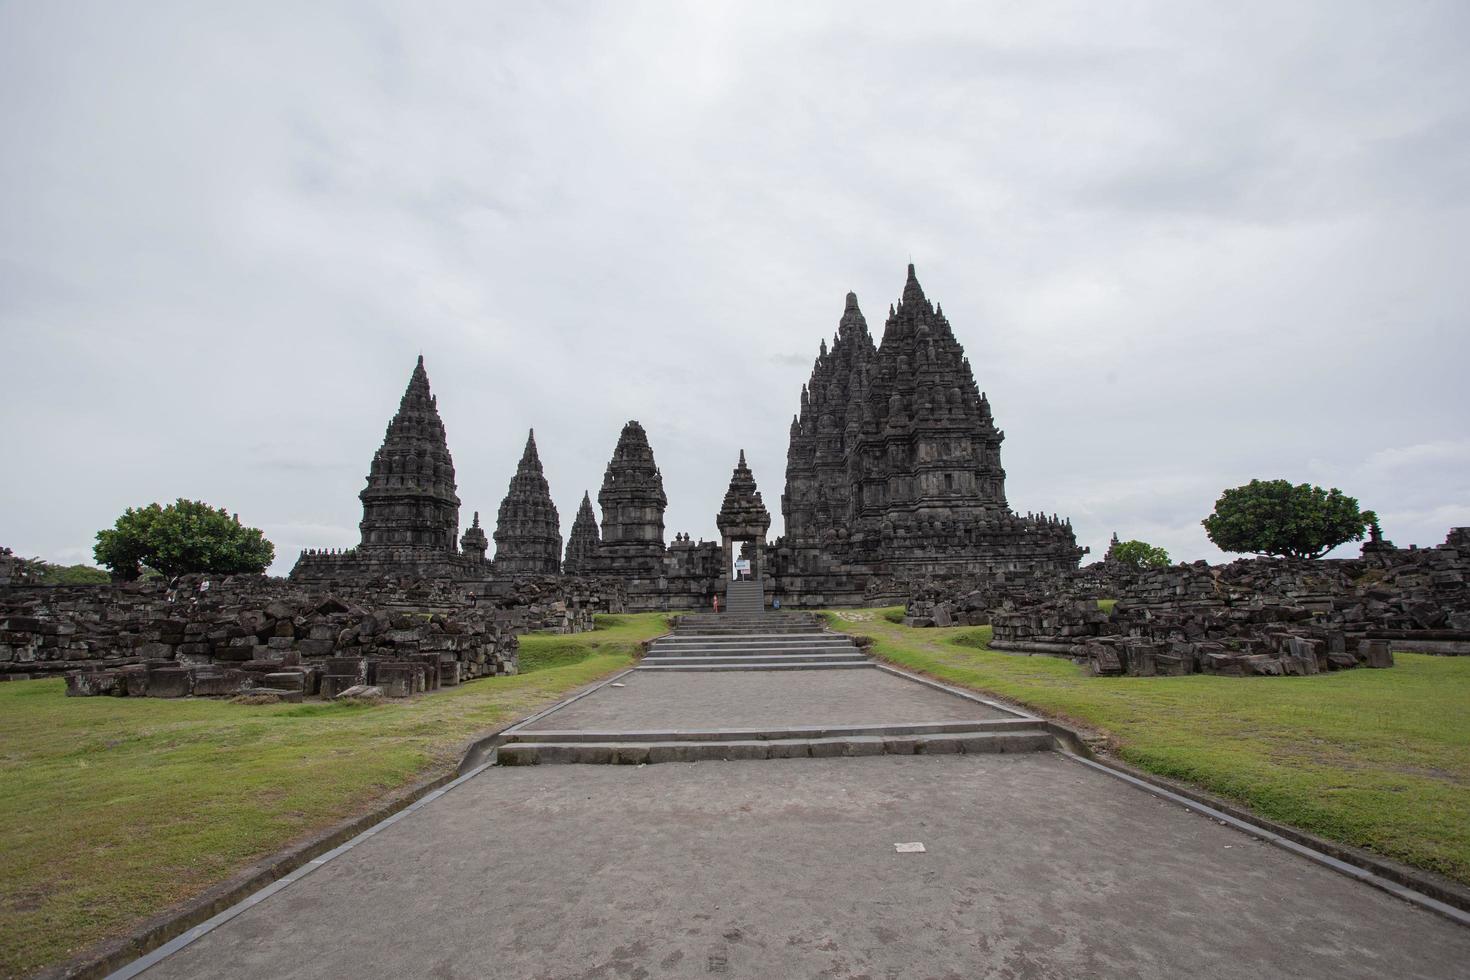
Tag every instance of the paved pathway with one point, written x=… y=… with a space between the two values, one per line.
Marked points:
x=756 y=698
x=1035 y=866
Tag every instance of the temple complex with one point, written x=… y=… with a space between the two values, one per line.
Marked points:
x=528 y=530
x=893 y=475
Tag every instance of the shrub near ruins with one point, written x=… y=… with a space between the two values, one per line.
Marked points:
x=1138 y=554
x=185 y=536
x=1272 y=517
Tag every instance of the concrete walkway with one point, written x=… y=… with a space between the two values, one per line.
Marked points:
x=758 y=698
x=1035 y=866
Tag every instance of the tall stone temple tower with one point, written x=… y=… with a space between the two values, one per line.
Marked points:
x=409 y=500
x=583 y=542
x=894 y=460
x=633 y=504
x=528 y=530
x=410 y=511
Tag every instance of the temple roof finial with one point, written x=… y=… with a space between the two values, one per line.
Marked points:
x=912 y=291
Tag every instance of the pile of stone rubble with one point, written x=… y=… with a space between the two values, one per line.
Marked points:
x=1253 y=616
x=222 y=637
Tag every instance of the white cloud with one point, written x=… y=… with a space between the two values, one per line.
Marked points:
x=1185 y=245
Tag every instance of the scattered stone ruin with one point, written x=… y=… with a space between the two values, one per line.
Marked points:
x=250 y=634
x=1252 y=616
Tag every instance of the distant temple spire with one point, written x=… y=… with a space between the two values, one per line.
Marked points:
x=410 y=500
x=583 y=542
x=528 y=529
x=633 y=503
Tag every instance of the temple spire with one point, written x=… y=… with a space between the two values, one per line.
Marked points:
x=912 y=291
x=409 y=500
x=584 y=541
x=527 y=529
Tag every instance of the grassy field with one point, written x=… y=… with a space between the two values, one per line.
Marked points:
x=1376 y=758
x=116 y=808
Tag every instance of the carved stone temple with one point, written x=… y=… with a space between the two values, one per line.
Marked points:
x=528 y=530
x=893 y=473
x=584 y=541
x=410 y=511
x=894 y=469
x=633 y=502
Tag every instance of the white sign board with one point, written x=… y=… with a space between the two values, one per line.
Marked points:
x=742 y=564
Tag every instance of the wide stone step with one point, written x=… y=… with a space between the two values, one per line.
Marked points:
x=757 y=659
x=627 y=751
x=755 y=652
x=739 y=631
x=753 y=663
x=749 y=642
x=767 y=733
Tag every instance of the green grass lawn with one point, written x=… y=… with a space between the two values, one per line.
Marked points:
x=1376 y=758
x=116 y=808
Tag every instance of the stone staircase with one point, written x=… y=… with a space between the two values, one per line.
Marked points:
x=646 y=730
x=745 y=597
x=752 y=641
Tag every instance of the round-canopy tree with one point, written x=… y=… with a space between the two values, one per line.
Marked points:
x=1138 y=554
x=1273 y=517
x=185 y=536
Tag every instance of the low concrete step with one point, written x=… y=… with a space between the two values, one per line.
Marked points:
x=752 y=664
x=785 y=636
x=682 y=654
x=811 y=643
x=641 y=752
x=757 y=659
x=975 y=726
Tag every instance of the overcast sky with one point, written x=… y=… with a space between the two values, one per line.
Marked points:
x=1183 y=245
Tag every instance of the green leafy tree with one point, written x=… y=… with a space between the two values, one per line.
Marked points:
x=1273 y=517
x=71 y=574
x=1138 y=554
x=185 y=536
